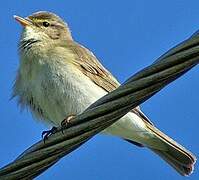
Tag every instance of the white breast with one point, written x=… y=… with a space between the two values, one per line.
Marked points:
x=73 y=93
x=61 y=90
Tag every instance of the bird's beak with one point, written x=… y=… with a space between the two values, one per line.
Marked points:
x=24 y=22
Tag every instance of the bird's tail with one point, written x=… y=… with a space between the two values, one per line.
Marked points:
x=173 y=153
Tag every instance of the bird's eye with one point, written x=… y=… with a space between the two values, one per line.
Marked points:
x=46 y=24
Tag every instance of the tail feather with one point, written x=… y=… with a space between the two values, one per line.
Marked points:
x=174 y=154
x=182 y=168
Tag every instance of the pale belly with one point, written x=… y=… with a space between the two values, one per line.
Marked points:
x=71 y=93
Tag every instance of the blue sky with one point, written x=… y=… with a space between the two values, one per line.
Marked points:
x=126 y=36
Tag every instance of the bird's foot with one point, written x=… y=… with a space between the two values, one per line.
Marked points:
x=67 y=120
x=46 y=134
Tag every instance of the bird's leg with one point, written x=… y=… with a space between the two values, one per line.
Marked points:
x=67 y=120
x=46 y=134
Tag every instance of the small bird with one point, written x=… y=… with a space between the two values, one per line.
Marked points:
x=58 y=78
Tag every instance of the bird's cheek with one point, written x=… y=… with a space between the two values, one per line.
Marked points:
x=53 y=34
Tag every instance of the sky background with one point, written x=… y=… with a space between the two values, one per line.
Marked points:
x=126 y=36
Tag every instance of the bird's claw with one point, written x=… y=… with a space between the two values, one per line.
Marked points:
x=64 y=123
x=67 y=121
x=46 y=134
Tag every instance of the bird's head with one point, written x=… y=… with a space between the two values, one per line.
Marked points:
x=43 y=27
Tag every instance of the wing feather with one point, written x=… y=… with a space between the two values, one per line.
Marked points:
x=88 y=64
